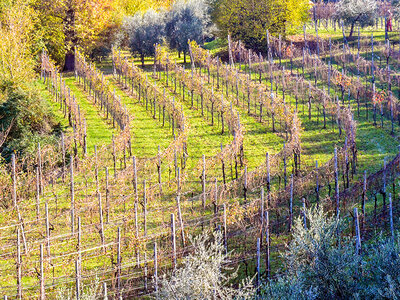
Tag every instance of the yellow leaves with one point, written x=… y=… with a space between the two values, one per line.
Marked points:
x=16 y=27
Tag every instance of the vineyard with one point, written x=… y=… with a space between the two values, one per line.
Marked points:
x=241 y=144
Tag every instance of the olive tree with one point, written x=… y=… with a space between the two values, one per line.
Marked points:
x=360 y=12
x=144 y=31
x=203 y=274
x=187 y=20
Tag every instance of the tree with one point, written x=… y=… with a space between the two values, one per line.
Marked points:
x=316 y=268
x=187 y=20
x=248 y=20
x=202 y=274
x=361 y=12
x=69 y=23
x=131 y=7
x=17 y=42
x=144 y=31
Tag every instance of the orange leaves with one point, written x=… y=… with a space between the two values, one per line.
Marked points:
x=289 y=52
x=343 y=80
x=379 y=97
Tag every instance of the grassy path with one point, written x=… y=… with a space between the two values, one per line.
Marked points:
x=99 y=130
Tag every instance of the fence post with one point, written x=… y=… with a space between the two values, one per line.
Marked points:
x=19 y=267
x=391 y=216
x=72 y=194
x=14 y=180
x=258 y=264
x=105 y=291
x=173 y=240
x=37 y=194
x=204 y=182
x=47 y=229
x=291 y=203
x=267 y=244
x=180 y=220
x=155 y=267
x=225 y=231
x=42 y=291
x=144 y=208
x=119 y=263
x=101 y=221
x=304 y=213
x=77 y=280
x=357 y=226
x=336 y=183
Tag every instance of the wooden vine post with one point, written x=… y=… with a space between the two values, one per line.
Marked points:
x=357 y=228
x=72 y=194
x=173 y=241
x=267 y=245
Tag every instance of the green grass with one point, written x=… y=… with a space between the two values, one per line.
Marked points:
x=147 y=133
x=99 y=130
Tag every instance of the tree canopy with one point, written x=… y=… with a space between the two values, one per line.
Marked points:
x=144 y=31
x=69 y=23
x=360 y=12
x=187 y=20
x=248 y=20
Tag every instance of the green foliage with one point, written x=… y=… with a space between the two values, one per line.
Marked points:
x=30 y=118
x=248 y=20
x=383 y=277
x=316 y=260
x=357 y=12
x=187 y=20
x=319 y=267
x=65 y=24
x=17 y=39
x=144 y=31
x=202 y=276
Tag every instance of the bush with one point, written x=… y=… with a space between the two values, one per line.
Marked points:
x=383 y=270
x=202 y=275
x=31 y=120
x=319 y=267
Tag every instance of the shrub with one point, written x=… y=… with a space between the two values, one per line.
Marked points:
x=203 y=274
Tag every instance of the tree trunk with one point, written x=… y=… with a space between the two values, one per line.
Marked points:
x=184 y=57
x=69 y=64
x=70 y=38
x=142 y=59
x=351 y=30
x=179 y=54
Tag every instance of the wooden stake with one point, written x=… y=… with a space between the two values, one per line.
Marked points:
x=203 y=178
x=155 y=267
x=304 y=213
x=258 y=263
x=336 y=184
x=14 y=180
x=267 y=244
x=391 y=216
x=107 y=198
x=180 y=221
x=42 y=290
x=119 y=263
x=101 y=222
x=72 y=194
x=225 y=231
x=47 y=229
x=77 y=280
x=144 y=208
x=19 y=266
x=357 y=227
x=173 y=240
